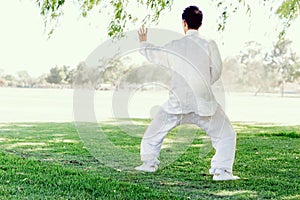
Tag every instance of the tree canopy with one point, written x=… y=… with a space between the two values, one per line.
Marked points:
x=52 y=10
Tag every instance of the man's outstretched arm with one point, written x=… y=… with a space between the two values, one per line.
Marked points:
x=154 y=54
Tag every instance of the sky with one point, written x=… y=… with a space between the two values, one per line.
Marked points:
x=24 y=44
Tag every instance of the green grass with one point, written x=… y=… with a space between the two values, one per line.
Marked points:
x=50 y=161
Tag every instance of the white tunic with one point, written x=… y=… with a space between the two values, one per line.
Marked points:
x=196 y=64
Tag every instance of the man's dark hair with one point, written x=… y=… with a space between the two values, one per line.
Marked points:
x=193 y=17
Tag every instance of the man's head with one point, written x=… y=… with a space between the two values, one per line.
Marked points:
x=192 y=18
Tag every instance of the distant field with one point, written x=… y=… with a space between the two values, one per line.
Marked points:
x=55 y=105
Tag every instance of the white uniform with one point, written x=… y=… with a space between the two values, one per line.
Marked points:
x=196 y=64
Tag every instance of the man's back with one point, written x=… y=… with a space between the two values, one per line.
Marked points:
x=190 y=61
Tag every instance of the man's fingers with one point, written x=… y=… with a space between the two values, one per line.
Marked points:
x=143 y=31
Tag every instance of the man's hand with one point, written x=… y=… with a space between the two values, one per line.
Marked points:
x=143 y=34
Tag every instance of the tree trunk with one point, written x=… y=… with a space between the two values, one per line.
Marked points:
x=282 y=88
x=257 y=91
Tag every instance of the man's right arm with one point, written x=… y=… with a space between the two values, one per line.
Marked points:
x=215 y=62
x=155 y=54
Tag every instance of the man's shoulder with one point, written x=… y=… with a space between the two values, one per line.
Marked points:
x=205 y=39
x=199 y=38
x=211 y=43
x=186 y=40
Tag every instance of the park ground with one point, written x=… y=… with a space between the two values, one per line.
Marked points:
x=50 y=161
x=43 y=156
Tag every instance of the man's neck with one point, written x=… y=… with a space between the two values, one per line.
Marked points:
x=189 y=31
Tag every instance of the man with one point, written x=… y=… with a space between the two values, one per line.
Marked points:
x=196 y=65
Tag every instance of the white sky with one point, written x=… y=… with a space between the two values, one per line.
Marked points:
x=24 y=45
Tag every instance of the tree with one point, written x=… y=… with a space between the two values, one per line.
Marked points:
x=70 y=73
x=109 y=71
x=60 y=75
x=148 y=73
x=255 y=72
x=1 y=72
x=232 y=73
x=41 y=81
x=85 y=76
x=25 y=79
x=114 y=69
x=11 y=81
x=285 y=63
x=2 y=80
x=52 y=10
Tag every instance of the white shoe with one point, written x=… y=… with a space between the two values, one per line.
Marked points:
x=224 y=176
x=147 y=167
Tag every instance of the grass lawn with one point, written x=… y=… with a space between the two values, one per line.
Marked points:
x=49 y=161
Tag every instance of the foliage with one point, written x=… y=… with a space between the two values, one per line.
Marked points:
x=118 y=73
x=10 y=81
x=232 y=74
x=24 y=79
x=109 y=72
x=227 y=9
x=247 y=71
x=255 y=72
x=260 y=70
x=284 y=62
x=113 y=71
x=2 y=82
x=57 y=77
x=289 y=10
x=149 y=73
x=52 y=10
x=60 y=75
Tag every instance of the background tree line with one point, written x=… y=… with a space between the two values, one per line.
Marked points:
x=56 y=77
x=252 y=70
x=259 y=71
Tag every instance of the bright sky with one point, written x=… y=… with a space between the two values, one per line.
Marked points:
x=24 y=45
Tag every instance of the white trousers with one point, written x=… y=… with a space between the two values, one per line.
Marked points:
x=218 y=127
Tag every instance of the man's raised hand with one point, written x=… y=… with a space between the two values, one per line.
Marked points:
x=143 y=34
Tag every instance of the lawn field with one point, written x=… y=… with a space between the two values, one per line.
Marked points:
x=56 y=105
x=50 y=161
